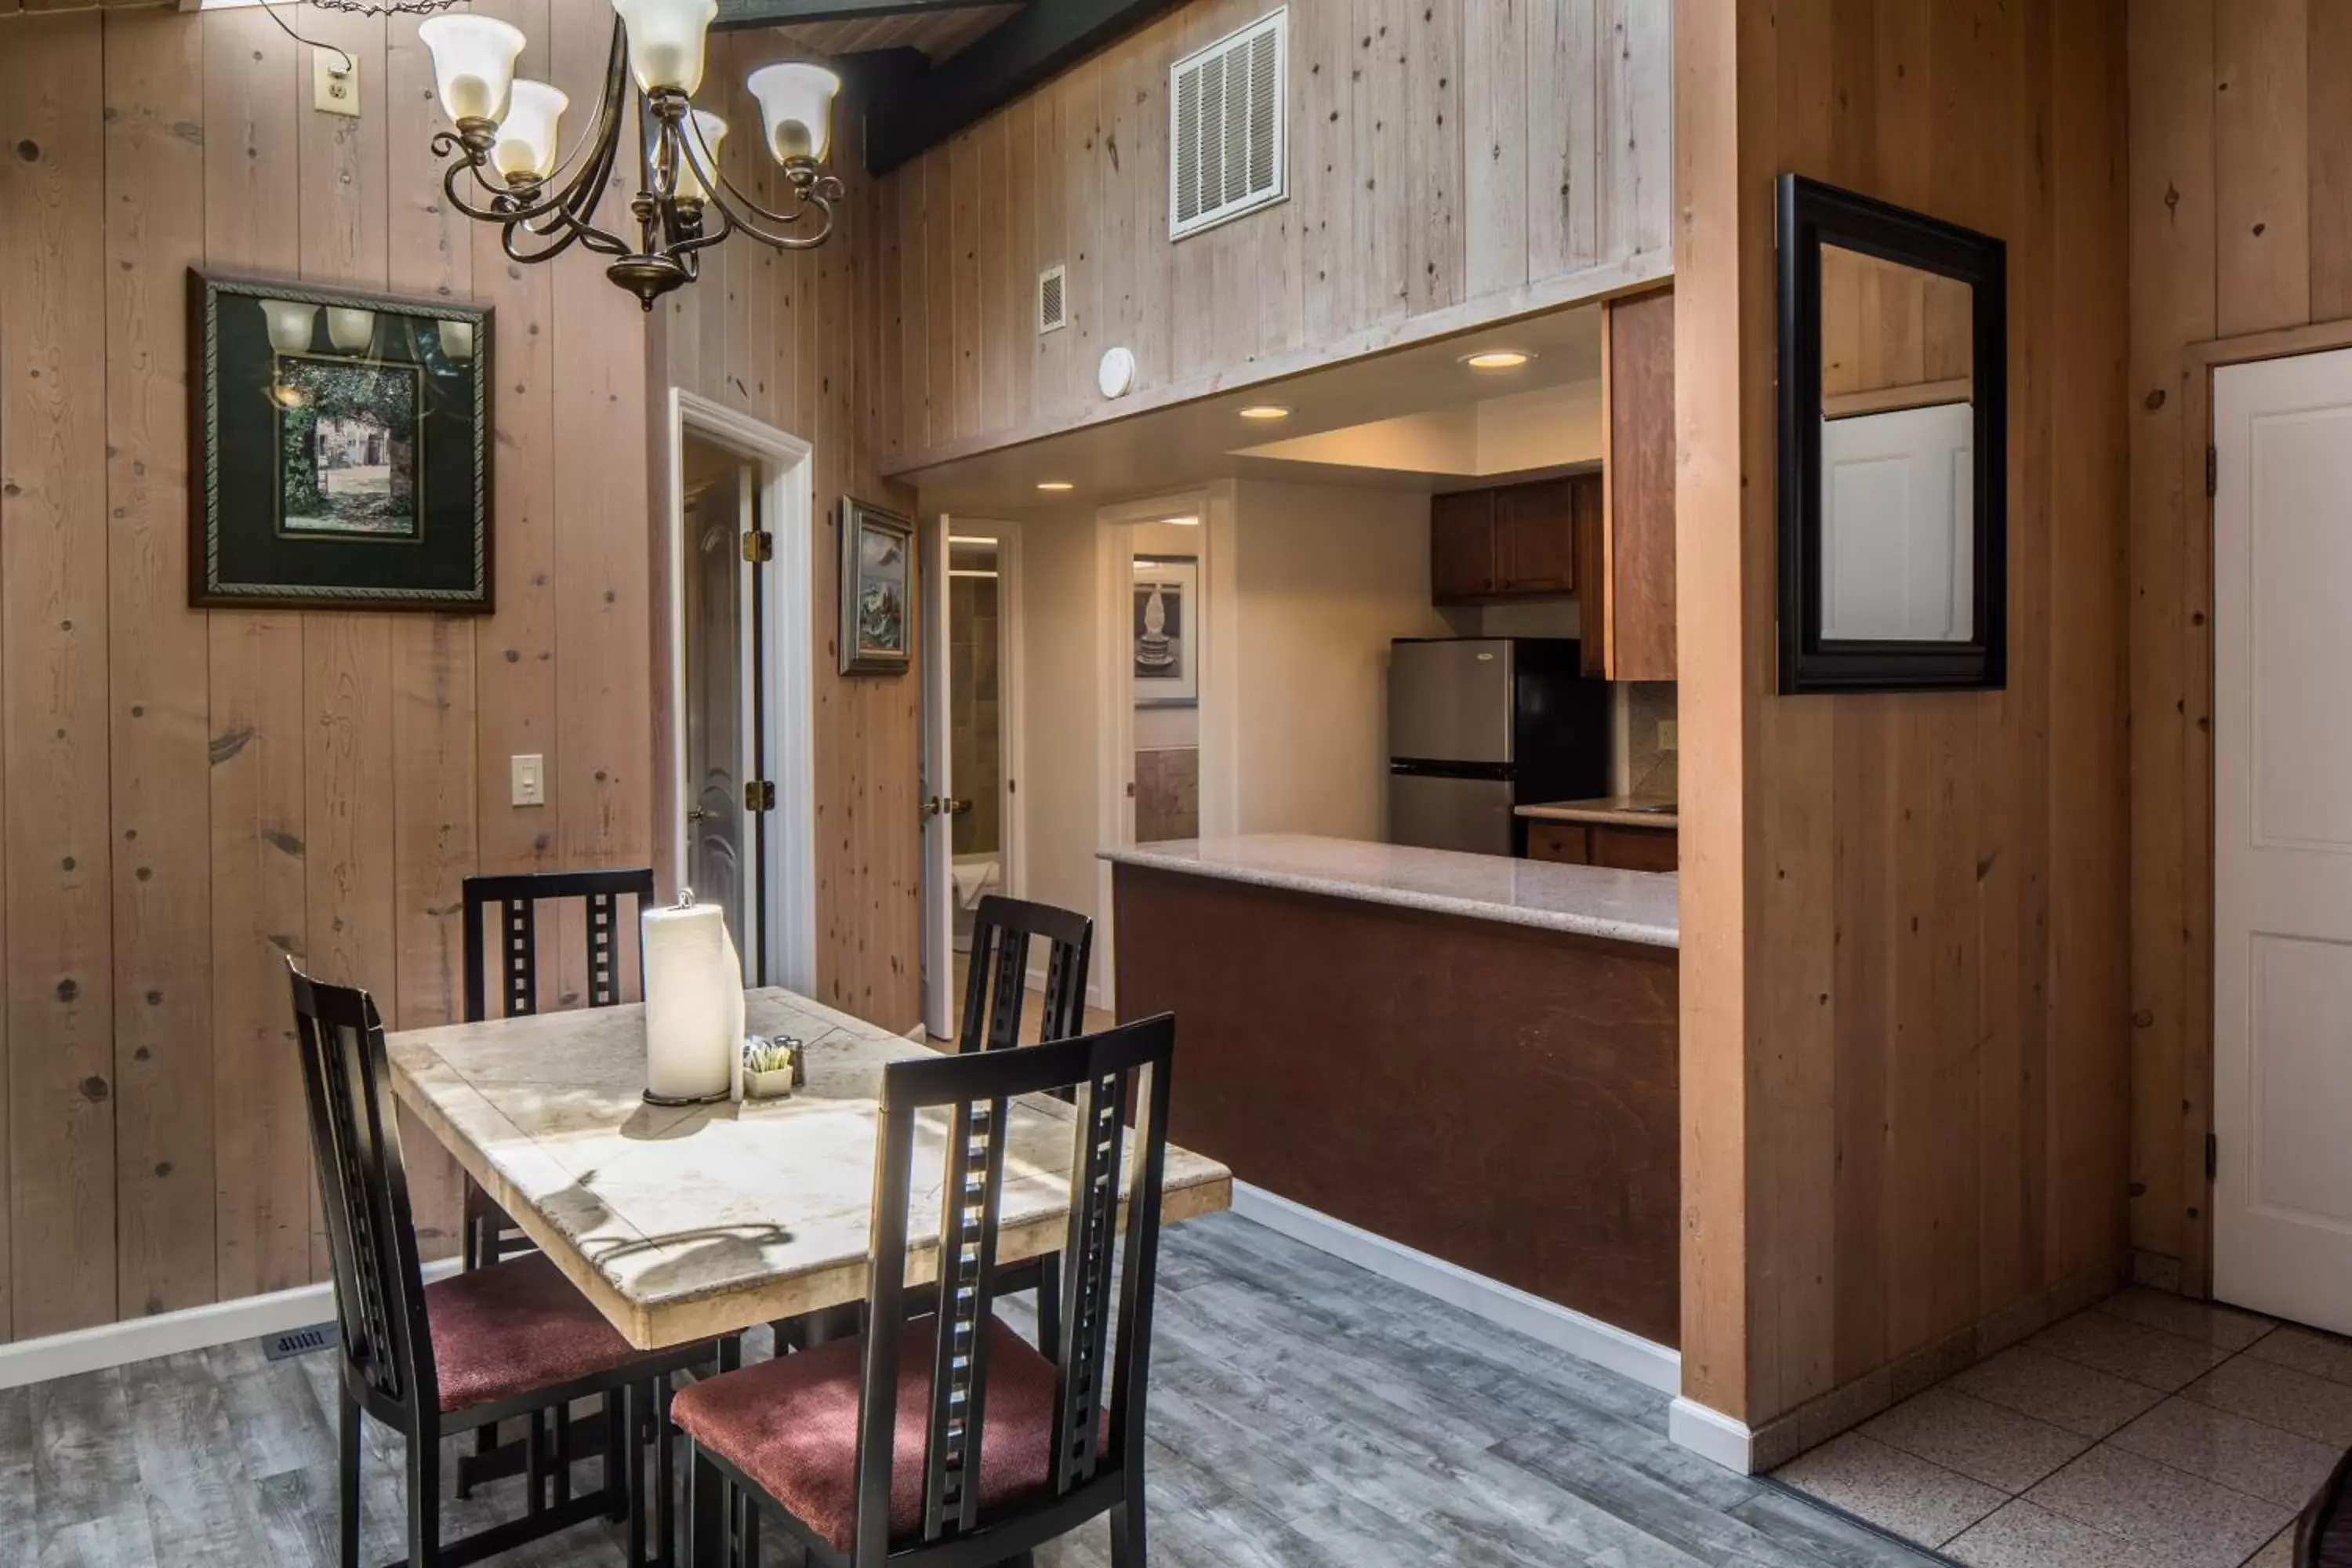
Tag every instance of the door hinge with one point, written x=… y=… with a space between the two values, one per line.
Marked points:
x=2212 y=472
x=2212 y=1157
x=759 y=545
x=759 y=795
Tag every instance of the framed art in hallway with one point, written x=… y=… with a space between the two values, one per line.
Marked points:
x=340 y=446
x=878 y=577
x=1167 y=606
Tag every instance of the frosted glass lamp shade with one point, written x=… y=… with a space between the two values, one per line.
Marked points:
x=712 y=132
x=473 y=64
x=797 y=102
x=351 y=331
x=457 y=340
x=290 y=325
x=665 y=42
x=527 y=136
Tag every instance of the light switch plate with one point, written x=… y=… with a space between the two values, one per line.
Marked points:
x=335 y=82
x=1667 y=734
x=529 y=774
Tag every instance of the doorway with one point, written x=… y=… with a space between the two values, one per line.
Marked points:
x=971 y=685
x=740 y=670
x=2281 y=1163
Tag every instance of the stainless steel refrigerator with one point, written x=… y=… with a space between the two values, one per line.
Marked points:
x=1479 y=725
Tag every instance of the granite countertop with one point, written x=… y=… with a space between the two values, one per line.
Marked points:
x=1582 y=900
x=1617 y=810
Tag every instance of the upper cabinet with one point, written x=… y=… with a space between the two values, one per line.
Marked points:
x=1516 y=541
x=1629 y=594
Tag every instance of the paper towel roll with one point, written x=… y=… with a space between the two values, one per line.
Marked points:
x=694 y=1004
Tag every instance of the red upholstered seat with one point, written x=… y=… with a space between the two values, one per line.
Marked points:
x=515 y=1328
x=791 y=1425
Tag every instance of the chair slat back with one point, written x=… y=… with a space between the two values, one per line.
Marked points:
x=1103 y=1354
x=516 y=899
x=364 y=1184
x=997 y=989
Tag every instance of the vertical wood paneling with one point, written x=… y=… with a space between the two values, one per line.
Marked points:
x=1564 y=138
x=157 y=690
x=54 y=731
x=1495 y=108
x=2261 y=96
x=1903 y=917
x=1434 y=150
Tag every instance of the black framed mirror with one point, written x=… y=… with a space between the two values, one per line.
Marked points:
x=1893 y=451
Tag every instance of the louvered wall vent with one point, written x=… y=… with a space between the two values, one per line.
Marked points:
x=1053 y=299
x=1227 y=151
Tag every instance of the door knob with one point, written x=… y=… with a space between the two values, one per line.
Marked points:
x=696 y=813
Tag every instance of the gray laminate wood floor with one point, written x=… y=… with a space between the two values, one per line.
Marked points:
x=1304 y=1413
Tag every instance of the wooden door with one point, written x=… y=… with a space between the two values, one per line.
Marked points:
x=2282 y=838
x=1634 y=620
x=1535 y=538
x=1461 y=546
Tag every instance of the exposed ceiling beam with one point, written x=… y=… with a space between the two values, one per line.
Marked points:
x=1031 y=45
x=737 y=14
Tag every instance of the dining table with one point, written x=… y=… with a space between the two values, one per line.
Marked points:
x=685 y=1223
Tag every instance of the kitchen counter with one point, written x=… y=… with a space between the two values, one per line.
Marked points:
x=1580 y=900
x=1504 y=1032
x=1614 y=810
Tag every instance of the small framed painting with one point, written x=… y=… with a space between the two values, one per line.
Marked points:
x=340 y=447
x=1167 y=612
x=878 y=579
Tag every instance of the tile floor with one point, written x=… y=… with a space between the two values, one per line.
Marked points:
x=2148 y=1432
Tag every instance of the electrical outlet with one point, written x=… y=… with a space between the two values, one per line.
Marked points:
x=334 y=82
x=529 y=774
x=1666 y=733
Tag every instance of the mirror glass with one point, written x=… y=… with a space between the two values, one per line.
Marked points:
x=1897 y=428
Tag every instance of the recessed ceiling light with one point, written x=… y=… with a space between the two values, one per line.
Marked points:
x=1056 y=487
x=1496 y=359
x=1265 y=411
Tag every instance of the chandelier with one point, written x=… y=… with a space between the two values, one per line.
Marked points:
x=503 y=167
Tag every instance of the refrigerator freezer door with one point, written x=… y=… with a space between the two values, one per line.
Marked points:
x=1451 y=701
x=1433 y=812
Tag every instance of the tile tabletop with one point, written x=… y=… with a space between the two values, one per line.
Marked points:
x=683 y=1223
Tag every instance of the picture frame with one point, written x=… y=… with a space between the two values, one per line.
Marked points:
x=340 y=449
x=1167 y=609
x=877 y=590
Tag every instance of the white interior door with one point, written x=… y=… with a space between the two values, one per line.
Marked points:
x=1897 y=524
x=722 y=714
x=938 y=781
x=2283 y=836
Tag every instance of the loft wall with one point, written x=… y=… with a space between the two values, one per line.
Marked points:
x=1904 y=999
x=1449 y=164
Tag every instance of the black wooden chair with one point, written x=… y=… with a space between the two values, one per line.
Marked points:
x=995 y=992
x=946 y=1441
x=508 y=1340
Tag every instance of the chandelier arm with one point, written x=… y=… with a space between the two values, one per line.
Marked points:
x=828 y=184
x=683 y=250
x=818 y=200
x=573 y=230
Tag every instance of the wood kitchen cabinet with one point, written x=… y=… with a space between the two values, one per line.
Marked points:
x=1512 y=542
x=1604 y=844
x=1626 y=548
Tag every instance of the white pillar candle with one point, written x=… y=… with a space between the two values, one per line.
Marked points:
x=694 y=1003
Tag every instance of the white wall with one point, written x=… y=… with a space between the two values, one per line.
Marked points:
x=1305 y=586
x=1324 y=578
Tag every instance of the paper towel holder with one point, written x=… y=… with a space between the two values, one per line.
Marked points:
x=685 y=901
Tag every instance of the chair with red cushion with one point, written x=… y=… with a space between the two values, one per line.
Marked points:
x=512 y=1338
x=947 y=1441
x=2322 y=1536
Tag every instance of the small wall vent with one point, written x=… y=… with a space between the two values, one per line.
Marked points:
x=1053 y=299
x=1226 y=138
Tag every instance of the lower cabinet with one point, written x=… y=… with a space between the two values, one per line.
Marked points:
x=1603 y=843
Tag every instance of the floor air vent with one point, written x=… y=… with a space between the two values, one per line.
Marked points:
x=300 y=1341
x=1225 y=143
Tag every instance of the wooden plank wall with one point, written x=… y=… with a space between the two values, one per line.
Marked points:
x=795 y=340
x=1449 y=164
x=187 y=798
x=2240 y=223
x=1904 y=917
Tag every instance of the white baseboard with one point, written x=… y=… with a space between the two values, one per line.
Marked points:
x=169 y=1334
x=1712 y=1434
x=1604 y=1345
